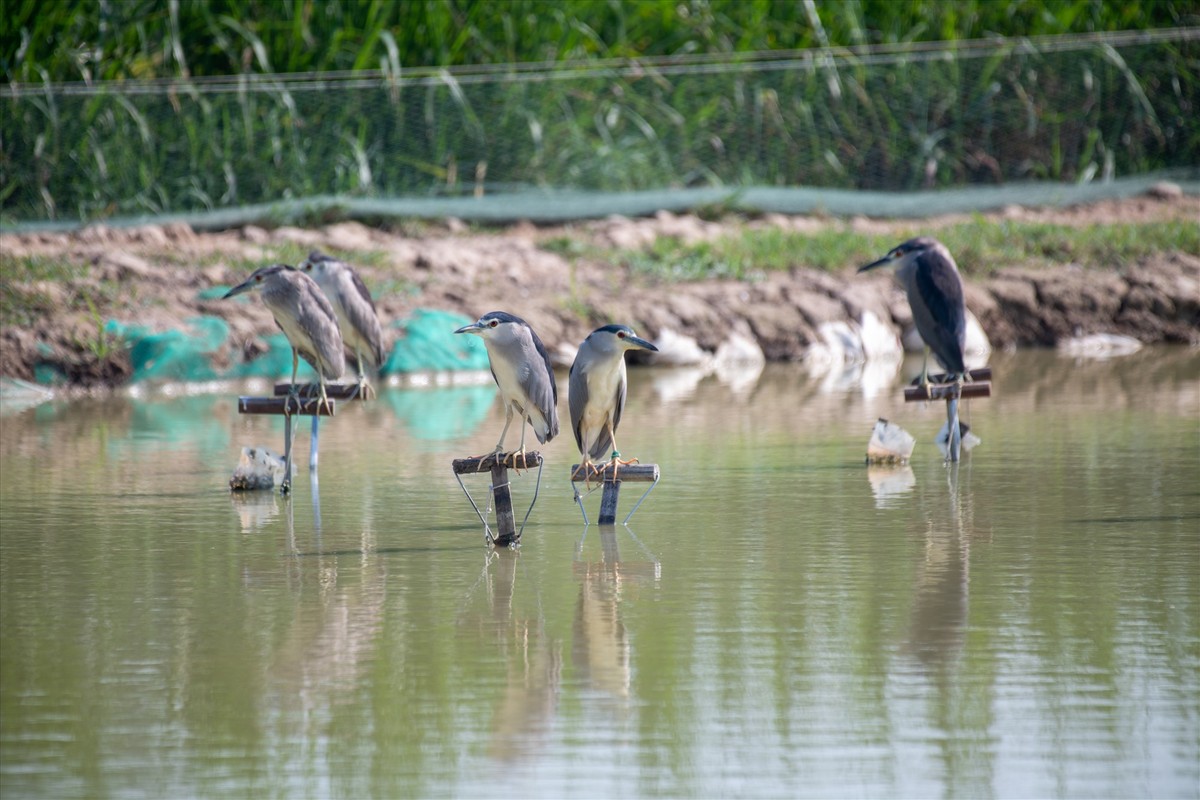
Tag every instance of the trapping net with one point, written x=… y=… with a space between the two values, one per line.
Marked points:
x=545 y=141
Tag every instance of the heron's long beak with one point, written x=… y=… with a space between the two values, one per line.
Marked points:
x=244 y=286
x=883 y=262
x=474 y=328
x=640 y=343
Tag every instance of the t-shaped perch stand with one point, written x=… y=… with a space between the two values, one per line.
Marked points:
x=498 y=465
x=941 y=387
x=307 y=403
x=612 y=475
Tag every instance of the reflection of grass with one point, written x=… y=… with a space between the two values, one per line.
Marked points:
x=978 y=245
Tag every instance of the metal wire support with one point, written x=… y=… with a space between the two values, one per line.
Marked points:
x=645 y=494
x=503 y=497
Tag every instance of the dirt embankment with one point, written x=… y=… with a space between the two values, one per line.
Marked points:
x=155 y=276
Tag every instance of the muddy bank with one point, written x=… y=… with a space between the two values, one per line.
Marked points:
x=159 y=277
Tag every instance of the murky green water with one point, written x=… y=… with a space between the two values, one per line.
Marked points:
x=777 y=621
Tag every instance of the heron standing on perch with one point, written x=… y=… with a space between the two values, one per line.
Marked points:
x=306 y=318
x=597 y=392
x=357 y=319
x=521 y=368
x=926 y=270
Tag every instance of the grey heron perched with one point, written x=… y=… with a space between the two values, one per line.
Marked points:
x=355 y=309
x=521 y=368
x=926 y=270
x=306 y=318
x=597 y=391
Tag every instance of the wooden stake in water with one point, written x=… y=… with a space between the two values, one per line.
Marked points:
x=940 y=387
x=287 y=408
x=498 y=465
x=336 y=391
x=611 y=477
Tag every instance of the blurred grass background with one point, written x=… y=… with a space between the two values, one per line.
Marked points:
x=59 y=40
x=133 y=107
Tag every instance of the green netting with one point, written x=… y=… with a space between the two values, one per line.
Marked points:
x=554 y=206
x=276 y=362
x=442 y=413
x=175 y=354
x=426 y=342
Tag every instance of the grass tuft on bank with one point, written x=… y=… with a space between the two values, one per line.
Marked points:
x=979 y=246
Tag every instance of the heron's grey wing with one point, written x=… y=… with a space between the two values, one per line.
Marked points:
x=619 y=402
x=363 y=317
x=542 y=390
x=940 y=289
x=319 y=323
x=577 y=394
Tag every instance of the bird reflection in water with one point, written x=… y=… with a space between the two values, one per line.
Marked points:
x=937 y=630
x=601 y=648
x=533 y=660
x=334 y=637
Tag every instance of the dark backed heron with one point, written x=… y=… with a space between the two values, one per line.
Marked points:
x=306 y=318
x=597 y=391
x=351 y=301
x=521 y=367
x=926 y=270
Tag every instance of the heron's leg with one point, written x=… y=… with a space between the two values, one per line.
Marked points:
x=363 y=388
x=585 y=463
x=588 y=468
x=293 y=392
x=520 y=449
x=507 y=421
x=616 y=461
x=324 y=401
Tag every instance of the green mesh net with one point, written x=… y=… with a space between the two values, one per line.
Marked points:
x=425 y=342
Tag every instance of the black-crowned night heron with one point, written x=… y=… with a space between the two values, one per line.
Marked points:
x=351 y=301
x=926 y=270
x=597 y=391
x=521 y=367
x=306 y=318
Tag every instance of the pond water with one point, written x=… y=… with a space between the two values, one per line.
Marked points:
x=777 y=620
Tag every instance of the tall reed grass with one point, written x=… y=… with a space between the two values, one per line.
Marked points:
x=141 y=39
x=887 y=117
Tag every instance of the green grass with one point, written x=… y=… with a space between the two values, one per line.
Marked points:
x=138 y=39
x=23 y=302
x=20 y=303
x=853 y=122
x=980 y=246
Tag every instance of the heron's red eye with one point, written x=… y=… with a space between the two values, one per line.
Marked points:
x=494 y=323
x=620 y=334
x=258 y=278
